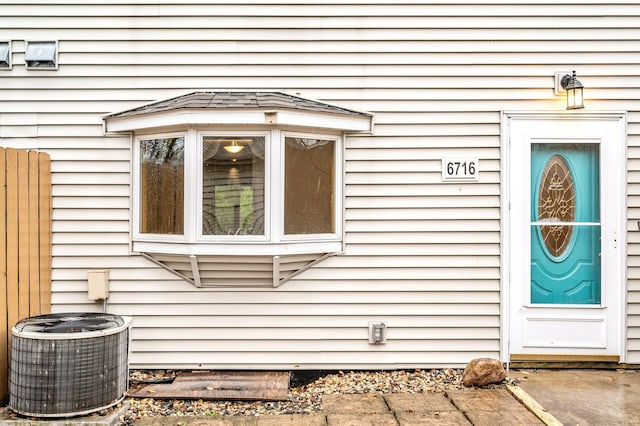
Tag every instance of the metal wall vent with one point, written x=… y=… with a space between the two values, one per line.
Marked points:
x=69 y=364
x=41 y=55
x=5 y=55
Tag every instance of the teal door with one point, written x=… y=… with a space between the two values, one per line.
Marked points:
x=565 y=223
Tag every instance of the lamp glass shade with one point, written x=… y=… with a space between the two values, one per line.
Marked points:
x=571 y=98
x=579 y=99
x=574 y=98
x=234 y=148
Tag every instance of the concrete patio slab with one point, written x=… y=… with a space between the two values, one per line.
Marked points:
x=367 y=403
x=585 y=397
x=418 y=402
x=424 y=408
x=292 y=420
x=492 y=407
x=362 y=420
x=435 y=418
x=279 y=420
x=508 y=418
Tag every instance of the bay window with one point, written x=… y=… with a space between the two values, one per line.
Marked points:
x=271 y=191
x=237 y=189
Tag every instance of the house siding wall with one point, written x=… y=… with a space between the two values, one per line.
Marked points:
x=422 y=255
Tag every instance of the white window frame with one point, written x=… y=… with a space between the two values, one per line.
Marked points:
x=273 y=242
x=337 y=190
x=200 y=237
x=137 y=195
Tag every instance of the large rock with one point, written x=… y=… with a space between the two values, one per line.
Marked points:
x=483 y=371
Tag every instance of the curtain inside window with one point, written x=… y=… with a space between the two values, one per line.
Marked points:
x=309 y=186
x=233 y=185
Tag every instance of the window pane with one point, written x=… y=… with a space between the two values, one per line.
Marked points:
x=162 y=186
x=233 y=185
x=309 y=186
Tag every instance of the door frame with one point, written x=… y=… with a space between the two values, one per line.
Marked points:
x=617 y=164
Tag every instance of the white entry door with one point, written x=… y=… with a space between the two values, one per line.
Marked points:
x=565 y=226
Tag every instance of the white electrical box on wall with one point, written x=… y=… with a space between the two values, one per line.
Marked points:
x=377 y=332
x=98 y=284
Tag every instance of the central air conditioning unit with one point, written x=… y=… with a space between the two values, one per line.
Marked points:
x=68 y=364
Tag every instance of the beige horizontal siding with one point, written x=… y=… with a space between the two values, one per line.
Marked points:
x=623 y=31
x=322 y=360
x=347 y=58
x=257 y=302
x=334 y=94
x=373 y=8
x=240 y=309
x=413 y=226
x=369 y=46
x=91 y=226
x=431 y=213
x=302 y=285
x=422 y=255
x=397 y=105
x=633 y=242
x=302 y=21
x=314 y=348
x=309 y=333
x=440 y=74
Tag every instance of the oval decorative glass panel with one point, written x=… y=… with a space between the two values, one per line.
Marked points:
x=556 y=203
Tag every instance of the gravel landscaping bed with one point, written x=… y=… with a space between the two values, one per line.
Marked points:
x=305 y=392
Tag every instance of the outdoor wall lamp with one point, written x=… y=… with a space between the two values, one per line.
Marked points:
x=574 y=88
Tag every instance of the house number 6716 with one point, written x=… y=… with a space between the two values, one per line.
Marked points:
x=460 y=169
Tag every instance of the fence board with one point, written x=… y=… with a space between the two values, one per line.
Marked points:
x=12 y=240
x=34 y=246
x=23 y=234
x=4 y=339
x=45 y=231
x=25 y=244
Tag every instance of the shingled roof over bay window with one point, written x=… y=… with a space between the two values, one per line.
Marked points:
x=243 y=108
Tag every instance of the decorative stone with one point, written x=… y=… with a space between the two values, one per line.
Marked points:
x=483 y=371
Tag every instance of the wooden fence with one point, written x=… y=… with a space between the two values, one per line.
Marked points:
x=25 y=244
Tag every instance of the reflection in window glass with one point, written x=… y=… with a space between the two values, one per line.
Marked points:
x=309 y=181
x=162 y=186
x=233 y=185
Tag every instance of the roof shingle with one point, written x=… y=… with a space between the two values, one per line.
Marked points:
x=231 y=100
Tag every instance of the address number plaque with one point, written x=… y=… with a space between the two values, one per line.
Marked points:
x=455 y=169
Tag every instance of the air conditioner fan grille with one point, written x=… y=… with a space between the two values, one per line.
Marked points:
x=69 y=323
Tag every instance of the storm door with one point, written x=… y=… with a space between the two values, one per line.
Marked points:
x=565 y=220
